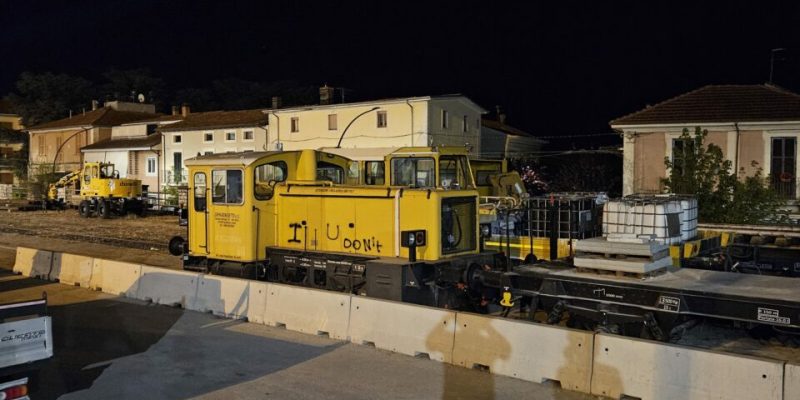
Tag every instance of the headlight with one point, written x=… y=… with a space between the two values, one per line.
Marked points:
x=486 y=230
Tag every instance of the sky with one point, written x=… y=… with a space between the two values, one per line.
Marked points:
x=556 y=68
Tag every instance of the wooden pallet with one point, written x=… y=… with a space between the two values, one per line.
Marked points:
x=622 y=274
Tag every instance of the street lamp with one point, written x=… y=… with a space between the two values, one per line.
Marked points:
x=339 y=145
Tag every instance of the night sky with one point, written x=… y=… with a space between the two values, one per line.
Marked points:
x=557 y=68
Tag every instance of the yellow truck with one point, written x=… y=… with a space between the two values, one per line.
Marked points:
x=102 y=191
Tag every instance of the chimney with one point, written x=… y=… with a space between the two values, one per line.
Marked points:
x=94 y=105
x=174 y=110
x=185 y=110
x=501 y=116
x=276 y=102
x=326 y=95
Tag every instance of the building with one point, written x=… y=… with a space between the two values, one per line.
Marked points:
x=452 y=120
x=135 y=149
x=59 y=142
x=8 y=118
x=756 y=126
x=209 y=133
x=500 y=140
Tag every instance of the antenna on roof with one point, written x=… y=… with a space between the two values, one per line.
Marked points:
x=772 y=61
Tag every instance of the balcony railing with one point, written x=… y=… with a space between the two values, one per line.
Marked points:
x=787 y=190
x=172 y=177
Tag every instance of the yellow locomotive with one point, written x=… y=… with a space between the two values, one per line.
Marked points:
x=303 y=217
x=102 y=191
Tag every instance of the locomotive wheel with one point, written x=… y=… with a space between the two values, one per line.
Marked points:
x=104 y=209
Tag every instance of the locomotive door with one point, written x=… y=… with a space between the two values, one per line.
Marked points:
x=198 y=215
x=266 y=176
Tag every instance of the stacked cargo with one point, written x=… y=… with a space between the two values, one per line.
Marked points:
x=638 y=231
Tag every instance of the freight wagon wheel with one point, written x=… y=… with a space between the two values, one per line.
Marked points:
x=83 y=209
x=104 y=209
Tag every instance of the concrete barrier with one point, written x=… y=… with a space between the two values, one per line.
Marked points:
x=33 y=262
x=650 y=370
x=257 y=302
x=116 y=277
x=524 y=350
x=307 y=310
x=791 y=382
x=227 y=297
x=403 y=328
x=168 y=287
x=71 y=269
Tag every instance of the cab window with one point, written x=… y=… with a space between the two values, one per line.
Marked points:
x=199 y=191
x=266 y=176
x=227 y=186
x=414 y=172
x=453 y=172
x=330 y=172
x=374 y=173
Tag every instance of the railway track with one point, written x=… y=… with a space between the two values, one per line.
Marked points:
x=106 y=240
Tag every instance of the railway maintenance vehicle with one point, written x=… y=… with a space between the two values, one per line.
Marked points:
x=101 y=191
x=306 y=218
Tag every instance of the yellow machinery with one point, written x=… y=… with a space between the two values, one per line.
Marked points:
x=102 y=191
x=300 y=217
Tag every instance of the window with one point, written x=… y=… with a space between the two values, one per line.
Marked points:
x=151 y=166
x=177 y=165
x=230 y=136
x=295 y=124
x=208 y=152
x=42 y=146
x=382 y=119
x=415 y=172
x=176 y=138
x=374 y=173
x=782 y=166
x=445 y=119
x=266 y=176
x=464 y=125
x=453 y=172
x=247 y=135
x=681 y=149
x=199 y=191
x=330 y=172
x=332 y=122
x=227 y=186
x=208 y=137
x=133 y=163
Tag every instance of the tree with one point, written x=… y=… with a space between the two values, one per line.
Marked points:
x=46 y=97
x=701 y=170
x=125 y=85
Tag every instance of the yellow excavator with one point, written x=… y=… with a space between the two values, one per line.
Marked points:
x=102 y=191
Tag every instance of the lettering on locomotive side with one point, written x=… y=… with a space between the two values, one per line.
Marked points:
x=365 y=244
x=226 y=220
x=333 y=190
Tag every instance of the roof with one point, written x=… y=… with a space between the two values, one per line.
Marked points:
x=139 y=142
x=720 y=103
x=105 y=116
x=507 y=129
x=218 y=119
x=157 y=118
x=455 y=96
x=232 y=158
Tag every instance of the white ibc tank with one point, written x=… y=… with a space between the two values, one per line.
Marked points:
x=668 y=220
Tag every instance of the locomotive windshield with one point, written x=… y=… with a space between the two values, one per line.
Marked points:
x=414 y=172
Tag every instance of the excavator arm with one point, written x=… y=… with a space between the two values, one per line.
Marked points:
x=52 y=191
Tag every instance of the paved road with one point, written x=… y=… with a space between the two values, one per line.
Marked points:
x=114 y=348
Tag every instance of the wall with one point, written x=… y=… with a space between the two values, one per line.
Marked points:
x=493 y=143
x=648 y=162
x=453 y=134
x=70 y=156
x=192 y=143
x=11 y=121
x=118 y=157
x=147 y=179
x=751 y=148
x=314 y=131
